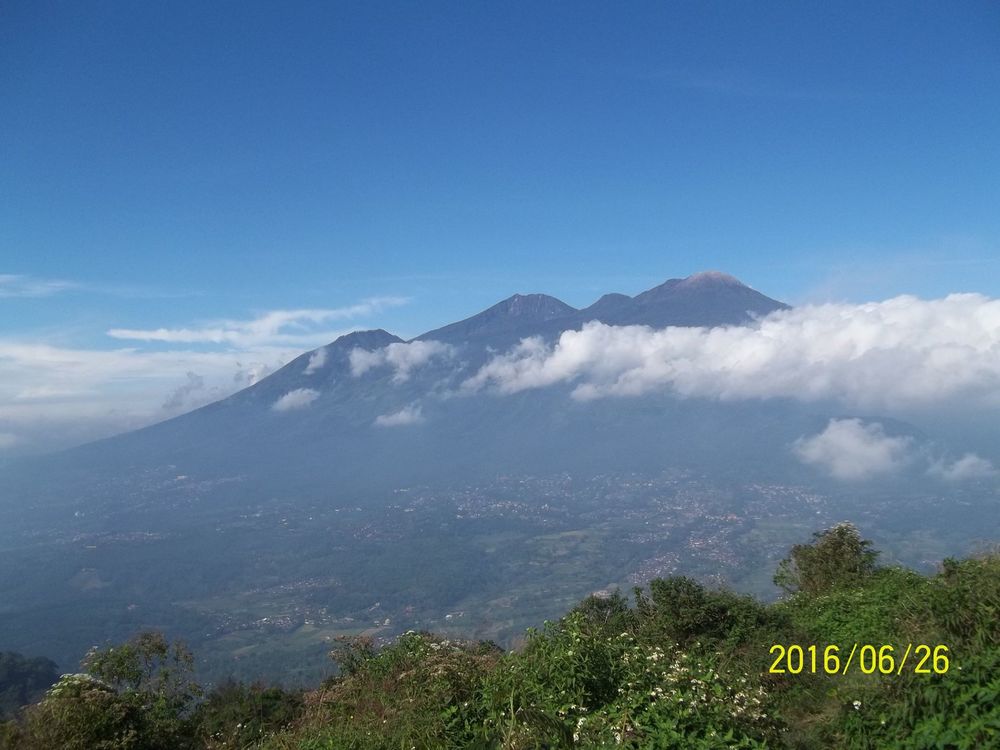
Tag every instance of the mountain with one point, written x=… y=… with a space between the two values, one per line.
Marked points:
x=327 y=433
x=362 y=485
x=710 y=298
x=512 y=318
x=344 y=406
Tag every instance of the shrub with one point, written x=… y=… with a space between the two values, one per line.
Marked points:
x=837 y=557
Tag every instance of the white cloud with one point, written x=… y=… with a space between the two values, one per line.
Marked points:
x=300 y=398
x=17 y=285
x=247 y=375
x=412 y=414
x=183 y=394
x=277 y=327
x=898 y=353
x=402 y=358
x=53 y=396
x=849 y=450
x=316 y=361
x=969 y=466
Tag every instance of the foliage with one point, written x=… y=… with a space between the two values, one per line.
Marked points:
x=135 y=696
x=681 y=609
x=574 y=687
x=960 y=709
x=419 y=692
x=891 y=605
x=837 y=557
x=235 y=715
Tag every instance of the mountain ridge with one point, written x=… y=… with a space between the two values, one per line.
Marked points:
x=707 y=298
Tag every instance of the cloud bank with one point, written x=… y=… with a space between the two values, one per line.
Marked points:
x=402 y=358
x=895 y=354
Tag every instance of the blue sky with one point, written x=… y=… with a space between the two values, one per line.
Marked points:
x=199 y=166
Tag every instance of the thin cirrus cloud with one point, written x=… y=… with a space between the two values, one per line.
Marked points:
x=900 y=353
x=19 y=285
x=277 y=327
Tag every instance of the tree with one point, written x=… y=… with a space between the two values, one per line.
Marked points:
x=239 y=715
x=836 y=558
x=135 y=696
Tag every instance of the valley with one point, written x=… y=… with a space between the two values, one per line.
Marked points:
x=264 y=587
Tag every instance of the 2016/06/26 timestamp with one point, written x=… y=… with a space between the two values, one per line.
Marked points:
x=870 y=659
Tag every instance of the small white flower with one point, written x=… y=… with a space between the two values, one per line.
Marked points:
x=857 y=705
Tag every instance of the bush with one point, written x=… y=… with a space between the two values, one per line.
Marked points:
x=837 y=557
x=419 y=692
x=235 y=715
x=136 y=696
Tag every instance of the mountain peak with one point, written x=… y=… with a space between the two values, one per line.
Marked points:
x=537 y=306
x=710 y=278
x=372 y=339
x=507 y=320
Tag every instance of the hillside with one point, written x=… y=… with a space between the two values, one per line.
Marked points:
x=679 y=666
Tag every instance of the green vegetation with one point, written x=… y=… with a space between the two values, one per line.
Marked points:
x=677 y=666
x=837 y=558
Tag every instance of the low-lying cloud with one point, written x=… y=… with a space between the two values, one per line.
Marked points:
x=300 y=398
x=408 y=415
x=316 y=361
x=402 y=358
x=899 y=353
x=849 y=449
x=186 y=393
x=853 y=450
x=969 y=466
